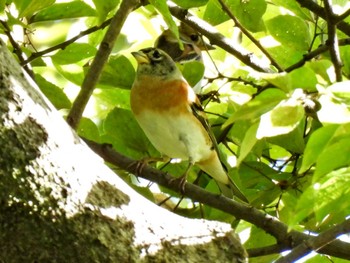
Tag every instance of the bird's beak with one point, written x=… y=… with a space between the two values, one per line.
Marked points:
x=141 y=57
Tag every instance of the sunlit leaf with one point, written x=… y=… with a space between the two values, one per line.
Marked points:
x=295 y=7
x=333 y=157
x=317 y=142
x=214 y=14
x=290 y=31
x=28 y=7
x=248 y=143
x=189 y=4
x=249 y=13
x=282 y=119
x=105 y=6
x=341 y=91
x=162 y=7
x=292 y=141
x=75 y=52
x=118 y=72
x=55 y=94
x=193 y=72
x=88 y=129
x=124 y=133
x=326 y=192
x=58 y=11
x=261 y=104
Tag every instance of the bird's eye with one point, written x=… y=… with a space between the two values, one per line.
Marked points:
x=194 y=37
x=157 y=55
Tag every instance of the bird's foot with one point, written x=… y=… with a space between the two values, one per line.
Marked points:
x=181 y=182
x=139 y=165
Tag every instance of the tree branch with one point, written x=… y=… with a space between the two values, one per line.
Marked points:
x=318 y=10
x=321 y=49
x=343 y=15
x=16 y=48
x=264 y=251
x=250 y=36
x=218 y=39
x=333 y=40
x=92 y=76
x=315 y=243
x=66 y=43
x=285 y=237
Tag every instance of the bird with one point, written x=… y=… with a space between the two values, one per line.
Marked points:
x=170 y=114
x=193 y=44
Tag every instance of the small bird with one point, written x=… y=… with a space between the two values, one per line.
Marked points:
x=193 y=44
x=170 y=114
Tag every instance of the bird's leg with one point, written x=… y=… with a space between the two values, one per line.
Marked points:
x=140 y=164
x=183 y=178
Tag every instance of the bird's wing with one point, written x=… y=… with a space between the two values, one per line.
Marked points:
x=198 y=112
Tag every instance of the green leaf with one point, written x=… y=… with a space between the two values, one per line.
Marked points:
x=293 y=6
x=256 y=178
x=122 y=130
x=55 y=94
x=290 y=31
x=283 y=119
x=214 y=14
x=332 y=110
x=104 y=7
x=292 y=141
x=162 y=7
x=345 y=56
x=73 y=73
x=249 y=13
x=59 y=11
x=75 y=52
x=118 y=72
x=248 y=143
x=323 y=195
x=27 y=8
x=189 y=4
x=88 y=129
x=341 y=91
x=303 y=78
x=193 y=72
x=319 y=141
x=2 y=5
x=279 y=80
x=321 y=69
x=333 y=157
x=262 y=103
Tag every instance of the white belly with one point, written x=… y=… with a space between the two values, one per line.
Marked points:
x=176 y=137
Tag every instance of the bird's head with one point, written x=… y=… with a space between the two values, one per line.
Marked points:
x=155 y=62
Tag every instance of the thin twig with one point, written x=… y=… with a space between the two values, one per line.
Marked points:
x=321 y=49
x=66 y=43
x=343 y=15
x=218 y=39
x=250 y=36
x=92 y=77
x=17 y=49
x=264 y=251
x=333 y=40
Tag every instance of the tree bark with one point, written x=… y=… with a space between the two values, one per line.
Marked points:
x=60 y=203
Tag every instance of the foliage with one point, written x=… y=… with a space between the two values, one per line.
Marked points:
x=285 y=132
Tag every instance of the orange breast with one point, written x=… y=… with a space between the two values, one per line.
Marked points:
x=155 y=95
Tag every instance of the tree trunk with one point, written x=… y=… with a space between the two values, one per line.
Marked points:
x=60 y=203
